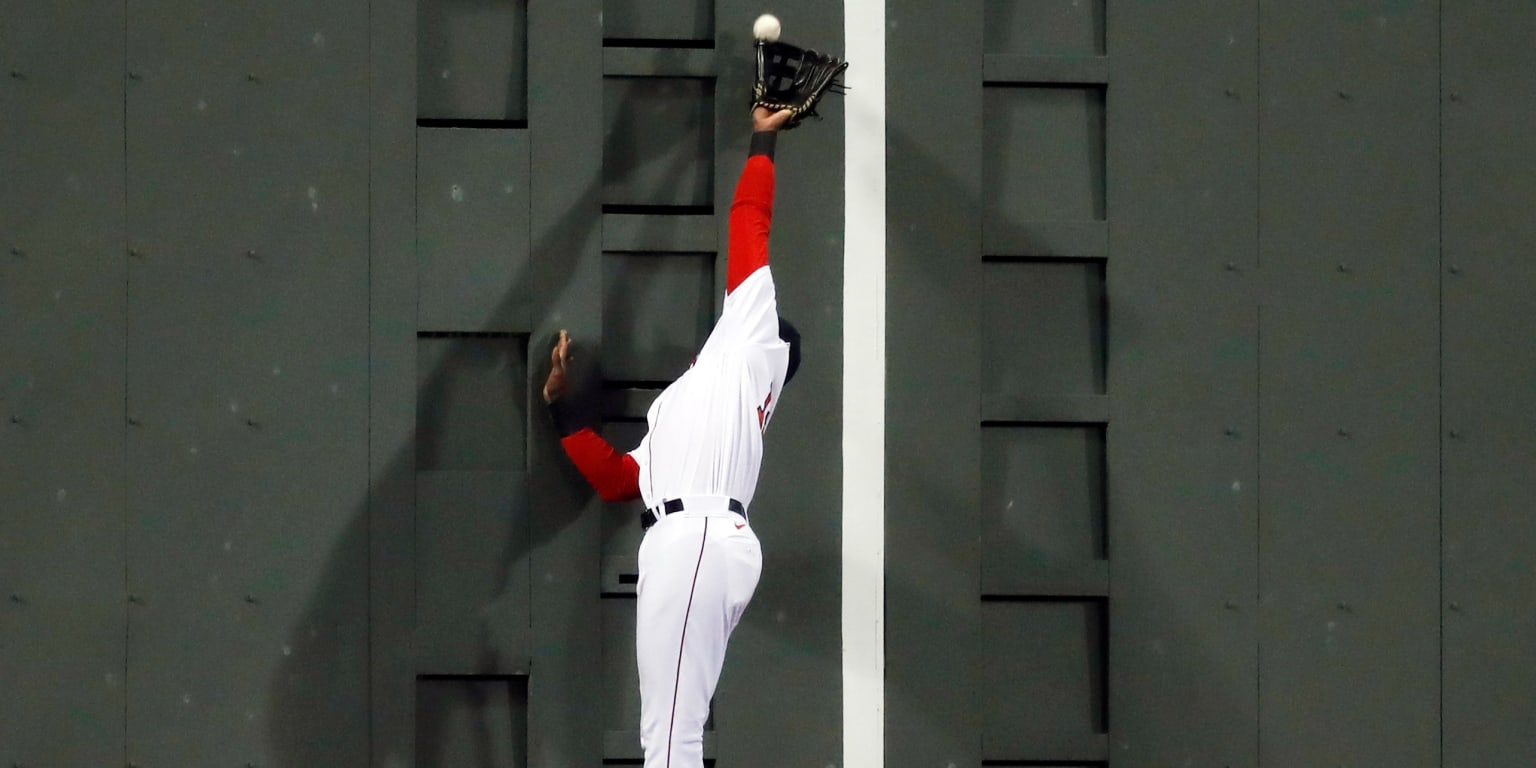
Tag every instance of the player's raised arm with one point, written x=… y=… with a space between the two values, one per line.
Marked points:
x=752 y=207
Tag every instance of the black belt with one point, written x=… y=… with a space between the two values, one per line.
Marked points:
x=674 y=506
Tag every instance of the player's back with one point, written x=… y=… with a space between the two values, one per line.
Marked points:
x=706 y=428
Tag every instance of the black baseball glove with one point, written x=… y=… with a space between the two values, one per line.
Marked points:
x=794 y=78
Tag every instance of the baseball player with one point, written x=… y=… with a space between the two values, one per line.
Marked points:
x=697 y=469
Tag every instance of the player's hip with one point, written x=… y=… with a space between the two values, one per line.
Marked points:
x=714 y=552
x=701 y=527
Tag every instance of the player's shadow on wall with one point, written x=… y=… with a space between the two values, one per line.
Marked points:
x=314 y=711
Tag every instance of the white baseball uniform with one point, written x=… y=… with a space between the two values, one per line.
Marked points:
x=697 y=470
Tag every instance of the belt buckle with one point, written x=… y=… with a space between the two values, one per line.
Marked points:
x=668 y=507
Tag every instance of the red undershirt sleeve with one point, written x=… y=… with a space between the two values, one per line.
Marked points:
x=751 y=213
x=615 y=476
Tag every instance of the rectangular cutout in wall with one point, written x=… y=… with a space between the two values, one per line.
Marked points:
x=1042 y=498
x=621 y=677
x=1045 y=27
x=472 y=61
x=658 y=309
x=473 y=590
x=472 y=217
x=659 y=20
x=1043 y=328
x=660 y=145
x=472 y=721
x=1043 y=156
x=471 y=403
x=1044 y=696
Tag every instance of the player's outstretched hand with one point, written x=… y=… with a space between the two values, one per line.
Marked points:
x=555 y=385
x=765 y=119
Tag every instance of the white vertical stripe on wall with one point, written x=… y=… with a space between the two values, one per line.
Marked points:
x=864 y=390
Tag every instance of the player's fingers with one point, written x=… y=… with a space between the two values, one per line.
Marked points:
x=557 y=353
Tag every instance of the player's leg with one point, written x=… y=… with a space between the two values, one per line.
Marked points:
x=671 y=569
x=697 y=577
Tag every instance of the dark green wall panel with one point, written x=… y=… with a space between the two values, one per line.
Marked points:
x=621 y=694
x=1033 y=695
x=472 y=59
x=1489 y=667
x=472 y=403
x=1349 y=373
x=472 y=581
x=1183 y=361
x=653 y=20
x=1183 y=480
x=247 y=390
x=61 y=398
x=660 y=142
x=1045 y=154
x=1043 y=324
x=1042 y=488
x=934 y=249
x=1052 y=28
x=472 y=191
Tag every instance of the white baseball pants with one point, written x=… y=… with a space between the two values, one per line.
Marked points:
x=697 y=573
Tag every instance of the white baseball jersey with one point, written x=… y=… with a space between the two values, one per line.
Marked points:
x=706 y=428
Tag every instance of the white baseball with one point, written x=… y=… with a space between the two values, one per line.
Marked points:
x=766 y=28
